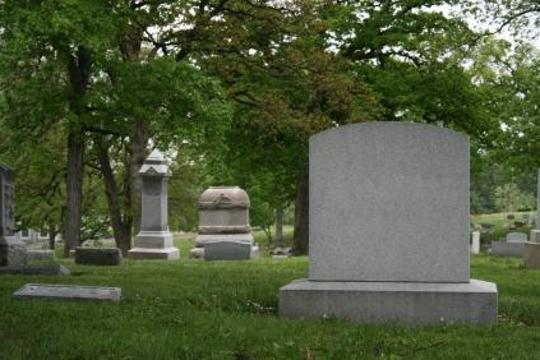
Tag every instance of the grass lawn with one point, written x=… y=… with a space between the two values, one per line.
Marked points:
x=190 y=309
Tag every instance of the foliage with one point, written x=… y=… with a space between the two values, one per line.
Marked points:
x=509 y=198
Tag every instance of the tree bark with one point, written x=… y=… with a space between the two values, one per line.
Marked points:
x=122 y=226
x=72 y=236
x=301 y=217
x=52 y=236
x=279 y=227
x=138 y=139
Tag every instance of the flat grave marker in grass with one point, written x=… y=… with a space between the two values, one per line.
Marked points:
x=68 y=292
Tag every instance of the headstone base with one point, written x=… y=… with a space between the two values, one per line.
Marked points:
x=535 y=235
x=154 y=245
x=381 y=302
x=97 y=256
x=504 y=248
x=531 y=255
x=230 y=250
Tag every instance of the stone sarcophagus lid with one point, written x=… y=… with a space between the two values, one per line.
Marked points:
x=223 y=217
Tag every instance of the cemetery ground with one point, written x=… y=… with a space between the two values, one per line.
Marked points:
x=194 y=309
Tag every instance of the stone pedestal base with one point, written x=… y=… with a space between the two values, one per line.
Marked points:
x=503 y=248
x=12 y=252
x=376 y=302
x=154 y=245
x=535 y=235
x=531 y=255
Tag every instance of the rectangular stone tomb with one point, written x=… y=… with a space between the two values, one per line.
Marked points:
x=70 y=292
x=389 y=228
x=401 y=302
x=227 y=250
x=96 y=256
x=504 y=248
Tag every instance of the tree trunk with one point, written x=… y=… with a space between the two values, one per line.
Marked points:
x=121 y=227
x=75 y=146
x=138 y=139
x=279 y=227
x=52 y=236
x=301 y=217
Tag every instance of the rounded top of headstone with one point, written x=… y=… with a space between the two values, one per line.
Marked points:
x=396 y=128
x=155 y=165
x=220 y=197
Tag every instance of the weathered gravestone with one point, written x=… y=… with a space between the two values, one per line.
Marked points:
x=154 y=241
x=97 y=256
x=412 y=269
x=475 y=243
x=531 y=249
x=12 y=250
x=224 y=232
x=68 y=292
x=513 y=245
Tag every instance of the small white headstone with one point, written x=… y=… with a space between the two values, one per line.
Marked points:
x=475 y=246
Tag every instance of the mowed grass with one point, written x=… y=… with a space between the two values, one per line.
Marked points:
x=191 y=309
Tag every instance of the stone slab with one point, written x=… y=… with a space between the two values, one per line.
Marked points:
x=70 y=292
x=503 y=248
x=384 y=302
x=40 y=255
x=97 y=256
x=154 y=239
x=535 y=236
x=227 y=250
x=45 y=269
x=154 y=254
x=531 y=255
x=389 y=201
x=202 y=239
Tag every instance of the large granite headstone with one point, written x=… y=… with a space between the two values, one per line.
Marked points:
x=413 y=268
x=531 y=249
x=12 y=249
x=154 y=241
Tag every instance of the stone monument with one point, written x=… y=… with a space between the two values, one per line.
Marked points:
x=224 y=232
x=475 y=245
x=154 y=240
x=531 y=249
x=513 y=245
x=412 y=269
x=12 y=249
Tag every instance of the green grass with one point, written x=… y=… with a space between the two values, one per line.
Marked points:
x=191 y=309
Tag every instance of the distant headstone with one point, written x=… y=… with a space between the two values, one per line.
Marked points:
x=97 y=256
x=69 y=292
x=513 y=245
x=412 y=269
x=224 y=225
x=12 y=249
x=475 y=244
x=535 y=233
x=516 y=237
x=154 y=241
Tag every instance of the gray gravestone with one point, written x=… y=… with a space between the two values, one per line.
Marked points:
x=154 y=241
x=514 y=237
x=535 y=233
x=416 y=266
x=12 y=250
x=69 y=292
x=227 y=250
x=96 y=256
x=224 y=217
